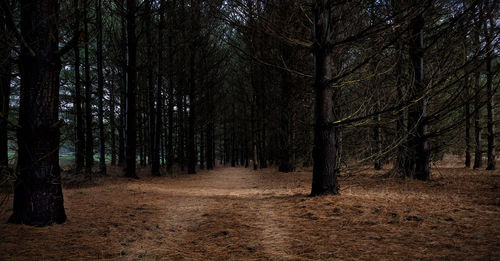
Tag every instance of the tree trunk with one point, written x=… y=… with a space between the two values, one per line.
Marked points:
x=5 y=78
x=285 y=163
x=89 y=139
x=254 y=142
x=191 y=150
x=151 y=118
x=490 y=94
x=210 y=155
x=180 y=137
x=100 y=91
x=467 y=124
x=155 y=135
x=112 y=124
x=209 y=142
x=123 y=89
x=233 y=137
x=478 y=154
x=142 y=131
x=202 y=149
x=400 y=128
x=38 y=198
x=325 y=169
x=377 y=135
x=131 y=91
x=418 y=112
x=79 y=126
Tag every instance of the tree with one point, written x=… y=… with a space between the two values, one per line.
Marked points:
x=100 y=90
x=131 y=92
x=79 y=126
x=489 y=33
x=5 y=78
x=417 y=113
x=325 y=169
x=170 y=110
x=38 y=198
x=191 y=148
x=478 y=154
x=89 y=137
x=156 y=134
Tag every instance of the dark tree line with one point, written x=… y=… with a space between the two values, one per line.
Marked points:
x=183 y=85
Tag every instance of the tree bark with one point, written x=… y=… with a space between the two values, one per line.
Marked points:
x=491 y=164
x=191 y=150
x=418 y=112
x=89 y=139
x=123 y=89
x=131 y=92
x=467 y=124
x=285 y=163
x=5 y=78
x=202 y=148
x=79 y=126
x=100 y=91
x=38 y=198
x=155 y=136
x=325 y=169
x=112 y=124
x=402 y=151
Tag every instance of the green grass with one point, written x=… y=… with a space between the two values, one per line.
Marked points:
x=66 y=159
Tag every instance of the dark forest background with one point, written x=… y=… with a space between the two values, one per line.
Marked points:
x=181 y=85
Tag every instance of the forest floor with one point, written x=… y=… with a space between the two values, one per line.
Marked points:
x=237 y=213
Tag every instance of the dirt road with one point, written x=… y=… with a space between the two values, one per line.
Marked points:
x=235 y=213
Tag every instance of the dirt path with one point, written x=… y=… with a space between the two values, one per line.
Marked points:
x=236 y=213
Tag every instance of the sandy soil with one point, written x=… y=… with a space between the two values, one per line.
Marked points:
x=236 y=213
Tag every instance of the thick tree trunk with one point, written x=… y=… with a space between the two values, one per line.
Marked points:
x=325 y=169
x=100 y=91
x=418 y=112
x=5 y=78
x=38 y=198
x=131 y=92
x=89 y=139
